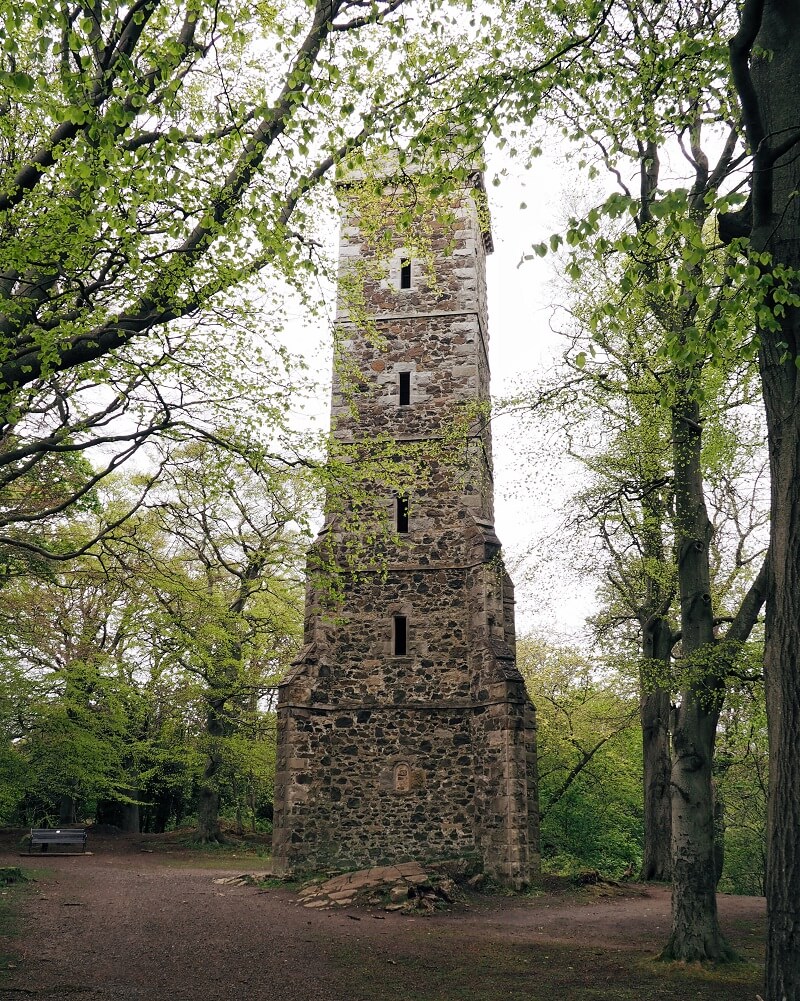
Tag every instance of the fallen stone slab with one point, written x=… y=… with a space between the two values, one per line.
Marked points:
x=244 y=879
x=403 y=887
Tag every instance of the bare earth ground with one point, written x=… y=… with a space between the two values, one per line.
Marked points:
x=143 y=919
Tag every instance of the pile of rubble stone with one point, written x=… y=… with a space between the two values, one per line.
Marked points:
x=245 y=879
x=405 y=887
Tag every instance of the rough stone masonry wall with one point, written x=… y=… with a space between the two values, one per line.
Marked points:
x=427 y=755
x=359 y=812
x=364 y=717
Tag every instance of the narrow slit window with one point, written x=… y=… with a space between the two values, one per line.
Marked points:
x=405 y=272
x=400 y=635
x=405 y=389
x=401 y=513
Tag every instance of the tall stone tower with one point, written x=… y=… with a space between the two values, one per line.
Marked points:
x=404 y=728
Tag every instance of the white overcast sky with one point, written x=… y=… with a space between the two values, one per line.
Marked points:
x=530 y=486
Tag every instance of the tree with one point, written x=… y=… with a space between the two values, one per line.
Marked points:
x=741 y=777
x=133 y=671
x=71 y=432
x=153 y=155
x=624 y=127
x=223 y=586
x=171 y=169
x=627 y=507
x=707 y=664
x=172 y=147
x=765 y=61
x=160 y=157
x=670 y=268
x=66 y=639
x=590 y=799
x=619 y=425
x=620 y=431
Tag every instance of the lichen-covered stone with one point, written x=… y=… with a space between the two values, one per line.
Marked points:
x=425 y=754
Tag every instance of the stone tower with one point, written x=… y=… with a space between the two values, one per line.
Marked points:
x=404 y=728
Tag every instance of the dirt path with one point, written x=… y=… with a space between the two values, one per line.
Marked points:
x=130 y=926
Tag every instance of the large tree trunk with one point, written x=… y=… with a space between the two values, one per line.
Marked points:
x=208 y=828
x=782 y=668
x=782 y=681
x=782 y=684
x=654 y=710
x=765 y=58
x=67 y=810
x=696 y=934
x=130 y=814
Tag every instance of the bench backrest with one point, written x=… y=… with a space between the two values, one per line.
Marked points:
x=61 y=836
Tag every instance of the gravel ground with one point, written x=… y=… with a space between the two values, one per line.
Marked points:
x=128 y=925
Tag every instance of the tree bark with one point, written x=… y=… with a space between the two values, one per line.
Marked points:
x=654 y=710
x=782 y=685
x=130 y=814
x=782 y=681
x=67 y=810
x=719 y=836
x=782 y=667
x=695 y=934
x=658 y=638
x=208 y=829
x=765 y=60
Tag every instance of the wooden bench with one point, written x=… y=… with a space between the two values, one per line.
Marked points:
x=43 y=837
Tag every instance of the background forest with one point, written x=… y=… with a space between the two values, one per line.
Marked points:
x=138 y=683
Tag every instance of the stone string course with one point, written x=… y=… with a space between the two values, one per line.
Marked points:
x=385 y=758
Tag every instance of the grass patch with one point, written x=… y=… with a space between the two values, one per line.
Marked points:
x=191 y=859
x=183 y=849
x=14 y=884
x=439 y=965
x=276 y=883
x=12 y=874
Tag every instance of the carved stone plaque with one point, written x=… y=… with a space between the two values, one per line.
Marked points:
x=402 y=777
